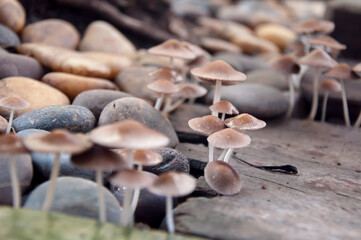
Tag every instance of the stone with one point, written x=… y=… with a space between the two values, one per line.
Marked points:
x=12 y=15
x=96 y=100
x=281 y=36
x=55 y=32
x=173 y=160
x=139 y=110
x=70 y=117
x=3 y=125
x=268 y=78
x=219 y=45
x=71 y=85
x=103 y=37
x=8 y=39
x=261 y=101
x=38 y=94
x=76 y=196
x=12 y=65
x=253 y=45
x=242 y=63
x=134 y=80
x=24 y=171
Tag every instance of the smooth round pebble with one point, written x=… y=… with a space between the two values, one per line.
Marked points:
x=242 y=63
x=8 y=39
x=12 y=14
x=268 y=78
x=12 y=65
x=3 y=125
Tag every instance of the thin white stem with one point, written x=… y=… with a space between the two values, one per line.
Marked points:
x=292 y=96
x=140 y=167
x=133 y=205
x=174 y=106
x=159 y=101
x=169 y=212
x=191 y=101
x=358 y=121
x=222 y=155
x=315 y=95
x=15 y=183
x=324 y=106
x=102 y=212
x=126 y=207
x=210 y=154
x=130 y=158
x=217 y=95
x=297 y=80
x=52 y=184
x=344 y=104
x=167 y=104
x=223 y=116
x=10 y=123
x=171 y=62
x=228 y=155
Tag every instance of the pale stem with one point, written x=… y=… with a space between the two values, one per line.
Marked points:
x=344 y=104
x=99 y=179
x=11 y=117
x=15 y=183
x=126 y=207
x=222 y=155
x=191 y=101
x=297 y=80
x=358 y=121
x=52 y=184
x=303 y=39
x=211 y=150
x=159 y=101
x=170 y=220
x=228 y=155
x=315 y=94
x=171 y=62
x=292 y=96
x=167 y=104
x=324 y=106
x=130 y=155
x=140 y=167
x=223 y=116
x=173 y=107
x=217 y=95
x=133 y=205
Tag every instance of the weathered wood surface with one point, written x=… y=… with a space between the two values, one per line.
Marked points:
x=323 y=201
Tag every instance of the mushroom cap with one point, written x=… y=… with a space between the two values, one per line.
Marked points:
x=244 y=121
x=173 y=184
x=331 y=85
x=172 y=48
x=224 y=107
x=11 y=144
x=163 y=86
x=128 y=134
x=326 y=41
x=342 y=71
x=143 y=157
x=206 y=125
x=166 y=73
x=285 y=64
x=14 y=102
x=218 y=71
x=58 y=141
x=313 y=26
x=198 y=51
x=222 y=178
x=190 y=90
x=318 y=58
x=357 y=68
x=229 y=138
x=100 y=158
x=131 y=178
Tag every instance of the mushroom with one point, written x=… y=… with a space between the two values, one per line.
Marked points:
x=224 y=107
x=166 y=73
x=11 y=145
x=245 y=121
x=164 y=88
x=100 y=159
x=358 y=121
x=57 y=141
x=13 y=103
x=326 y=42
x=328 y=85
x=317 y=59
x=172 y=184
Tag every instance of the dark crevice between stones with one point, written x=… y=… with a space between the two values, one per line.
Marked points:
x=192 y=138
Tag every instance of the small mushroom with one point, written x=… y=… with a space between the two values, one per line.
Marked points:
x=328 y=85
x=224 y=107
x=166 y=73
x=13 y=103
x=245 y=121
x=163 y=88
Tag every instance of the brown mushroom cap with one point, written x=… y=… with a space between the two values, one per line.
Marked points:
x=190 y=90
x=101 y=158
x=218 y=70
x=128 y=134
x=131 y=178
x=330 y=85
x=14 y=102
x=58 y=141
x=357 y=69
x=318 y=58
x=229 y=138
x=11 y=144
x=342 y=71
x=173 y=184
x=224 y=107
x=206 y=125
x=143 y=157
x=313 y=26
x=326 y=41
x=244 y=121
x=163 y=86
x=198 y=51
x=222 y=178
x=166 y=73
x=172 y=48
x=285 y=64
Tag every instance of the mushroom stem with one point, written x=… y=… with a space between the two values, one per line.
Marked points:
x=11 y=117
x=167 y=104
x=171 y=62
x=315 y=94
x=358 y=121
x=292 y=96
x=298 y=79
x=170 y=220
x=303 y=39
x=52 y=184
x=174 y=106
x=217 y=95
x=344 y=104
x=135 y=200
x=159 y=101
x=223 y=116
x=222 y=155
x=228 y=155
x=130 y=156
x=126 y=207
x=324 y=106
x=99 y=179
x=210 y=154
x=14 y=183
x=140 y=167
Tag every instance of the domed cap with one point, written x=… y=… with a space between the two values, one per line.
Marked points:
x=173 y=184
x=131 y=178
x=58 y=141
x=172 y=48
x=198 y=51
x=229 y=138
x=222 y=178
x=313 y=26
x=11 y=144
x=224 y=107
x=101 y=158
x=318 y=58
x=128 y=134
x=330 y=85
x=285 y=64
x=13 y=102
x=342 y=71
x=190 y=90
x=326 y=41
x=163 y=86
x=167 y=74
x=219 y=70
x=244 y=121
x=206 y=125
x=143 y=157
x=357 y=69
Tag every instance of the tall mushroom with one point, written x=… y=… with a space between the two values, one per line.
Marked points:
x=224 y=107
x=13 y=103
x=328 y=85
x=163 y=88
